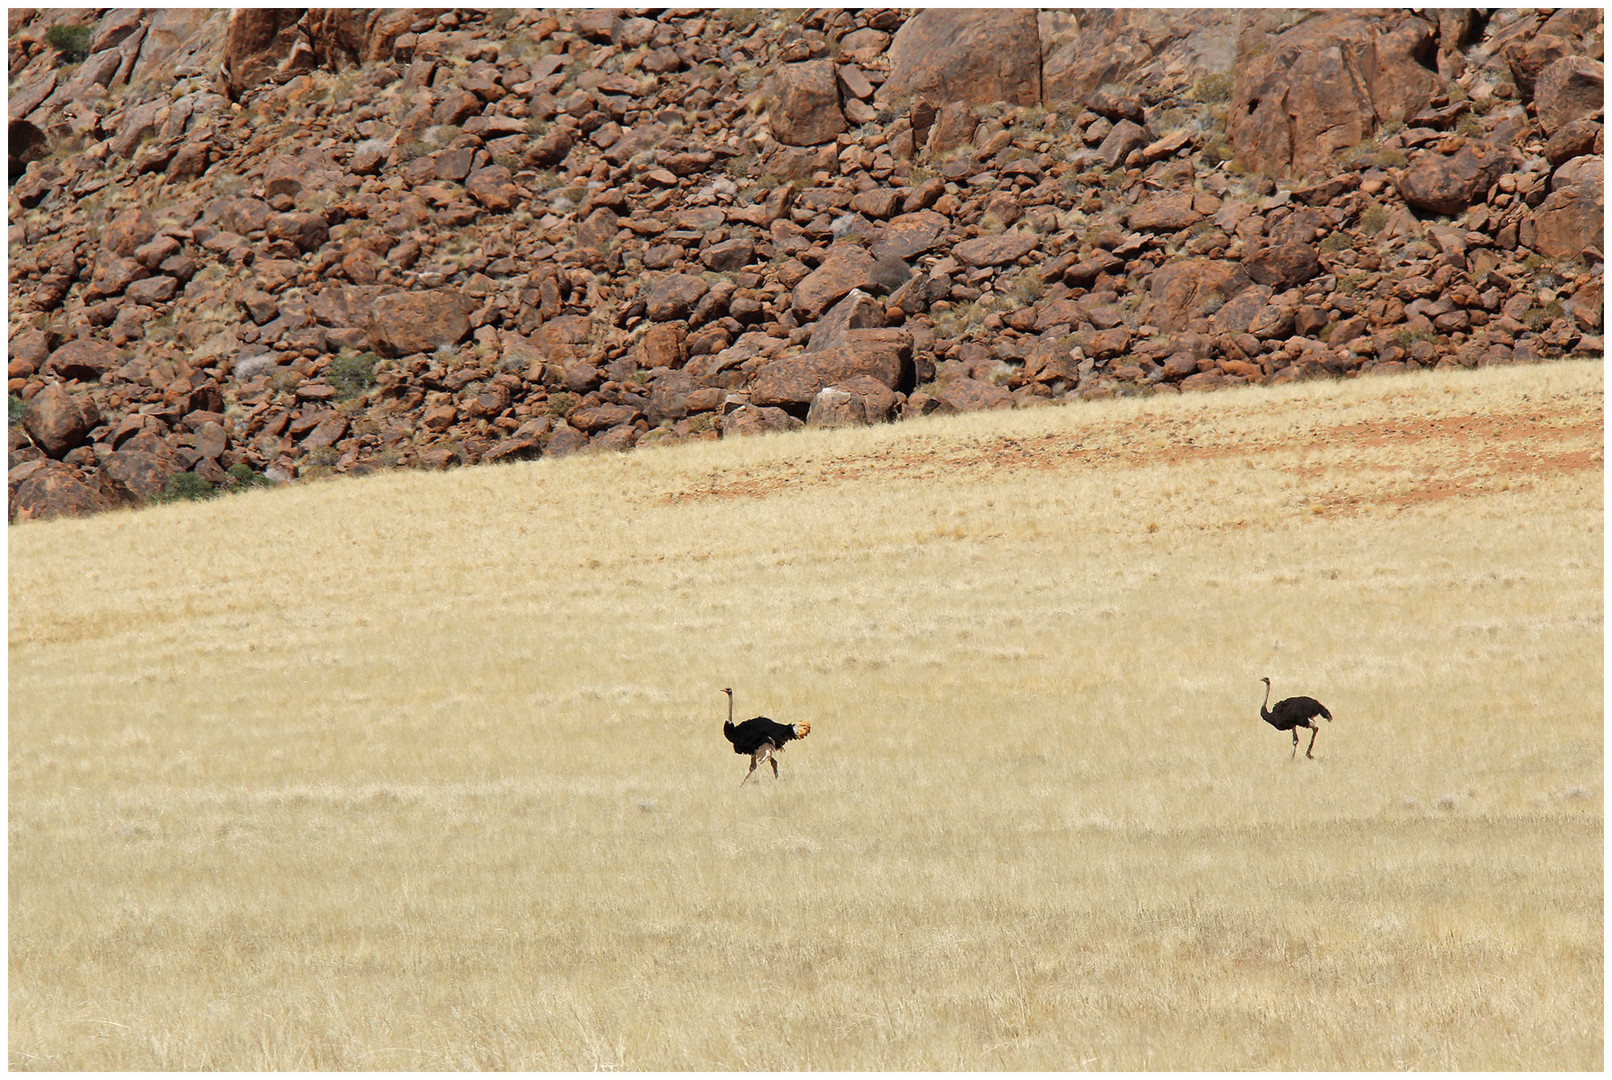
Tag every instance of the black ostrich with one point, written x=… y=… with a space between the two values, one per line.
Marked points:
x=1293 y=713
x=760 y=737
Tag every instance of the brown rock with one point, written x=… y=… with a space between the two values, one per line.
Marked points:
x=1121 y=140
x=796 y=380
x=909 y=235
x=565 y=440
x=128 y=230
x=757 y=420
x=970 y=56
x=1164 y=213
x=847 y=267
x=1282 y=266
x=854 y=402
x=258 y=42
x=592 y=418
x=1449 y=184
x=662 y=346
x=58 y=421
x=1189 y=288
x=1000 y=250
x=807 y=110
x=674 y=297
x=856 y=311
x=132 y=475
x=971 y=395
x=85 y=359
x=417 y=322
x=1571 y=88
x=1573 y=139
x=1326 y=84
x=494 y=188
x=1573 y=215
x=54 y=490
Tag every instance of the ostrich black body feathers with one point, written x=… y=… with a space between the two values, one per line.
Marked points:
x=1291 y=714
x=760 y=737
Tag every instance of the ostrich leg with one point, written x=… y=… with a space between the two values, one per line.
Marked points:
x=1315 y=729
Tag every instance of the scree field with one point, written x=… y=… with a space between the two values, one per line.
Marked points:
x=426 y=771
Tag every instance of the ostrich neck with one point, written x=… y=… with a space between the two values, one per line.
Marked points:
x=730 y=708
x=1265 y=709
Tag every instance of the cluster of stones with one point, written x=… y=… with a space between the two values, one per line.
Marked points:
x=319 y=241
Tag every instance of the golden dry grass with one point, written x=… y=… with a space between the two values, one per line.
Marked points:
x=425 y=771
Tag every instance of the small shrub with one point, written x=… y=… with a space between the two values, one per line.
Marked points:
x=352 y=375
x=185 y=487
x=71 y=42
x=1373 y=219
x=245 y=478
x=561 y=403
x=14 y=408
x=1214 y=89
x=1335 y=242
x=1390 y=159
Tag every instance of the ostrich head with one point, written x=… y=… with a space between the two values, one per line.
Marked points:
x=728 y=690
x=802 y=730
x=1266 y=680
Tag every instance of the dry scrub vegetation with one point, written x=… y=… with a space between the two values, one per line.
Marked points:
x=425 y=771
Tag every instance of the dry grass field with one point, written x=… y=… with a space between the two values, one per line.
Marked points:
x=425 y=771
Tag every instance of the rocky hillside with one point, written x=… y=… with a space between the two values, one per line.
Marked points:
x=288 y=243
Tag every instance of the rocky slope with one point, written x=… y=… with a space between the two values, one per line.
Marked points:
x=294 y=242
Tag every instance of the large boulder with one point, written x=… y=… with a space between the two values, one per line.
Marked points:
x=1327 y=84
x=674 y=297
x=1448 y=184
x=852 y=403
x=415 y=322
x=1572 y=88
x=83 y=359
x=1186 y=289
x=58 y=421
x=1573 y=215
x=977 y=56
x=807 y=110
x=51 y=489
x=1084 y=49
x=883 y=355
x=262 y=45
x=847 y=267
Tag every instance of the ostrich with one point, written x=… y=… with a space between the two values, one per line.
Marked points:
x=760 y=737
x=1293 y=713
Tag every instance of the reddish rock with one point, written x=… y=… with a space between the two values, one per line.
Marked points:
x=133 y=475
x=54 y=490
x=807 y=109
x=565 y=440
x=662 y=346
x=57 y=421
x=856 y=311
x=1326 y=84
x=674 y=297
x=416 y=322
x=128 y=230
x=1282 y=266
x=796 y=380
x=971 y=395
x=910 y=235
x=1164 y=213
x=1001 y=250
x=257 y=44
x=1188 y=288
x=1573 y=215
x=439 y=417
x=84 y=359
x=847 y=267
x=592 y=418
x=757 y=420
x=330 y=429
x=307 y=231
x=1571 y=88
x=854 y=402
x=494 y=188
x=975 y=56
x=1449 y=184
